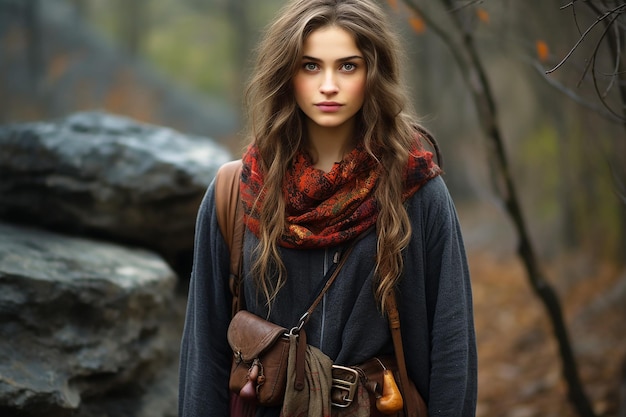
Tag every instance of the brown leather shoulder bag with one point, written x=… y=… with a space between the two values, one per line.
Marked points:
x=260 y=348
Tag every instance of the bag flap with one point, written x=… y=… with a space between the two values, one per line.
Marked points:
x=250 y=335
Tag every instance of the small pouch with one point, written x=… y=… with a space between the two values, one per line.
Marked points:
x=261 y=351
x=372 y=378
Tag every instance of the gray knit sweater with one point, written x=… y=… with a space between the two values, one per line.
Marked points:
x=434 y=300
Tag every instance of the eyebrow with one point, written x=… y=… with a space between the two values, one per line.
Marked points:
x=348 y=58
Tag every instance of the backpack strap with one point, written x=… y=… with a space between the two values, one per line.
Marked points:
x=230 y=221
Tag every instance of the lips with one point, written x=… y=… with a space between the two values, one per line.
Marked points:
x=328 y=106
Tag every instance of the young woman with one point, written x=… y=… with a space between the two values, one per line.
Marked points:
x=336 y=153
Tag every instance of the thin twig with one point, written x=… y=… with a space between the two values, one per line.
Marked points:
x=584 y=35
x=464 y=6
x=595 y=79
x=616 y=72
x=575 y=97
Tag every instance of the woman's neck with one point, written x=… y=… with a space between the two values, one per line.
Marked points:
x=328 y=146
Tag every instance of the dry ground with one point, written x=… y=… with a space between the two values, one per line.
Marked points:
x=519 y=364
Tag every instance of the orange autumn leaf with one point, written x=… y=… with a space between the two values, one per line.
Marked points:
x=483 y=15
x=543 y=52
x=393 y=4
x=417 y=23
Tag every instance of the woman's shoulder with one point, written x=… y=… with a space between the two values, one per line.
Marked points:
x=434 y=191
x=431 y=203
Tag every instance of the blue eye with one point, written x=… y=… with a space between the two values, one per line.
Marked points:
x=310 y=66
x=348 y=66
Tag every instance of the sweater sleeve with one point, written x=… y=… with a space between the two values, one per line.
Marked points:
x=449 y=376
x=205 y=356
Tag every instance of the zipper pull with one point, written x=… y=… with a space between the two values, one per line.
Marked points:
x=336 y=257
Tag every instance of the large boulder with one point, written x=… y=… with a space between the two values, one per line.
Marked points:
x=86 y=328
x=96 y=174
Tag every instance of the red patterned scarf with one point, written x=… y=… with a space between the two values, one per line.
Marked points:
x=327 y=208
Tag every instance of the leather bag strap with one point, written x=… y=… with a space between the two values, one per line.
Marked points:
x=344 y=257
x=420 y=409
x=230 y=221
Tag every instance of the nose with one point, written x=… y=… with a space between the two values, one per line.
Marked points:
x=329 y=83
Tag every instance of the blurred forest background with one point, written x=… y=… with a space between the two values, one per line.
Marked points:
x=183 y=64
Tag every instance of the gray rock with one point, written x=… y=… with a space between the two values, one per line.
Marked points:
x=97 y=174
x=80 y=319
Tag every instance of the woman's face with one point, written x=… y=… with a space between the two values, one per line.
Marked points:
x=330 y=82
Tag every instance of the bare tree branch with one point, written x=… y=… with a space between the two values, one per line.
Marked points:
x=466 y=55
x=611 y=34
x=572 y=95
x=584 y=35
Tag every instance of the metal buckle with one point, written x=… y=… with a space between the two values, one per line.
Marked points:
x=346 y=381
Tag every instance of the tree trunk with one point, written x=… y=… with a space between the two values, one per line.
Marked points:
x=238 y=12
x=35 y=48
x=133 y=22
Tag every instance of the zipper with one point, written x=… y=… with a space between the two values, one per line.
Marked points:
x=335 y=260
x=323 y=320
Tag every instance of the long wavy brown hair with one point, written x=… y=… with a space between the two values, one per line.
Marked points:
x=385 y=125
